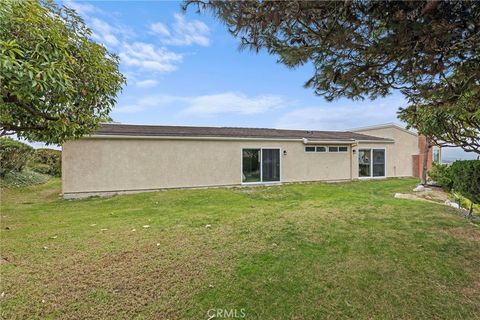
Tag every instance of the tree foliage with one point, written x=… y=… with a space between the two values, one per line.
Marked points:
x=448 y=124
x=466 y=179
x=14 y=155
x=47 y=161
x=55 y=82
x=429 y=50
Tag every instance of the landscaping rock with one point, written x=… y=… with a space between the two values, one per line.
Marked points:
x=405 y=196
x=419 y=188
x=452 y=204
x=146 y=226
x=208 y=226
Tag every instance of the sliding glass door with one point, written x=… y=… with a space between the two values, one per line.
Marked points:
x=260 y=165
x=251 y=165
x=371 y=163
x=270 y=165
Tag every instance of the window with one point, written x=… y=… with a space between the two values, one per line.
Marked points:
x=260 y=165
x=378 y=163
x=251 y=165
x=364 y=162
x=371 y=163
x=436 y=155
x=326 y=149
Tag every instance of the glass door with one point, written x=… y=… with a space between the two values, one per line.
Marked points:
x=371 y=163
x=260 y=165
x=364 y=156
x=270 y=165
x=378 y=163
x=251 y=165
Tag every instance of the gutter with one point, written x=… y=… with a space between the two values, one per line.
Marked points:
x=213 y=138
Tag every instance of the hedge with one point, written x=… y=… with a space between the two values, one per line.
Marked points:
x=466 y=179
x=47 y=161
x=441 y=174
x=14 y=155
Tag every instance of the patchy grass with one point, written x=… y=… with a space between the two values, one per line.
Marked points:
x=303 y=251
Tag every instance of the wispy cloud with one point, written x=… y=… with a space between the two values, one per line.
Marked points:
x=149 y=57
x=148 y=102
x=228 y=103
x=330 y=117
x=81 y=8
x=147 y=83
x=183 y=32
x=231 y=103
x=104 y=32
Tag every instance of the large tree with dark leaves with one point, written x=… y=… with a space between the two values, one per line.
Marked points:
x=429 y=50
x=55 y=82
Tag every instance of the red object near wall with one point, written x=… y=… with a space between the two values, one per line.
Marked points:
x=418 y=158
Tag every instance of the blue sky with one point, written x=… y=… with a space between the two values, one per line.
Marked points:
x=186 y=69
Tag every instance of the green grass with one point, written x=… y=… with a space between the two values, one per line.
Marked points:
x=302 y=251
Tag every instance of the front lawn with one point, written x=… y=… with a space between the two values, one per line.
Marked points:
x=303 y=251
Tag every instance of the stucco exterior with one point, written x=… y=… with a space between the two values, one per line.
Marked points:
x=102 y=165
x=399 y=155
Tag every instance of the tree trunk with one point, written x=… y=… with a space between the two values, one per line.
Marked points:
x=470 y=212
x=425 y=161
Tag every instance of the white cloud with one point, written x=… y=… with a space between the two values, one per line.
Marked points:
x=160 y=28
x=148 y=83
x=81 y=8
x=209 y=105
x=104 y=32
x=147 y=56
x=356 y=114
x=231 y=103
x=182 y=32
x=147 y=102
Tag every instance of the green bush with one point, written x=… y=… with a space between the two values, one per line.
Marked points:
x=47 y=161
x=466 y=179
x=14 y=155
x=442 y=175
x=25 y=178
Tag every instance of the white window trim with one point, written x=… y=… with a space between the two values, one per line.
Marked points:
x=326 y=149
x=261 y=182
x=371 y=164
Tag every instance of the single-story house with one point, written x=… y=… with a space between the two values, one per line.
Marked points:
x=121 y=158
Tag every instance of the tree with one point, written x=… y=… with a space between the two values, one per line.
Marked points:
x=55 y=82
x=448 y=124
x=429 y=50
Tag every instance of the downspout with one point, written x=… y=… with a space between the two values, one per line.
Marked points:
x=352 y=154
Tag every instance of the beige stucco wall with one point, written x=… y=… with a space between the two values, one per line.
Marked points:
x=399 y=154
x=102 y=165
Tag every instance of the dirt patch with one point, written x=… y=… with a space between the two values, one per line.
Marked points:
x=430 y=194
x=462 y=233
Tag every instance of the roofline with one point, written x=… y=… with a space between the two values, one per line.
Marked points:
x=217 y=127
x=303 y=140
x=384 y=125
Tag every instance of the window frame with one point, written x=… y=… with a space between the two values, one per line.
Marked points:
x=371 y=163
x=327 y=148
x=261 y=166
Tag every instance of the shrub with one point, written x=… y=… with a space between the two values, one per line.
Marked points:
x=25 y=178
x=442 y=175
x=466 y=179
x=47 y=161
x=14 y=155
